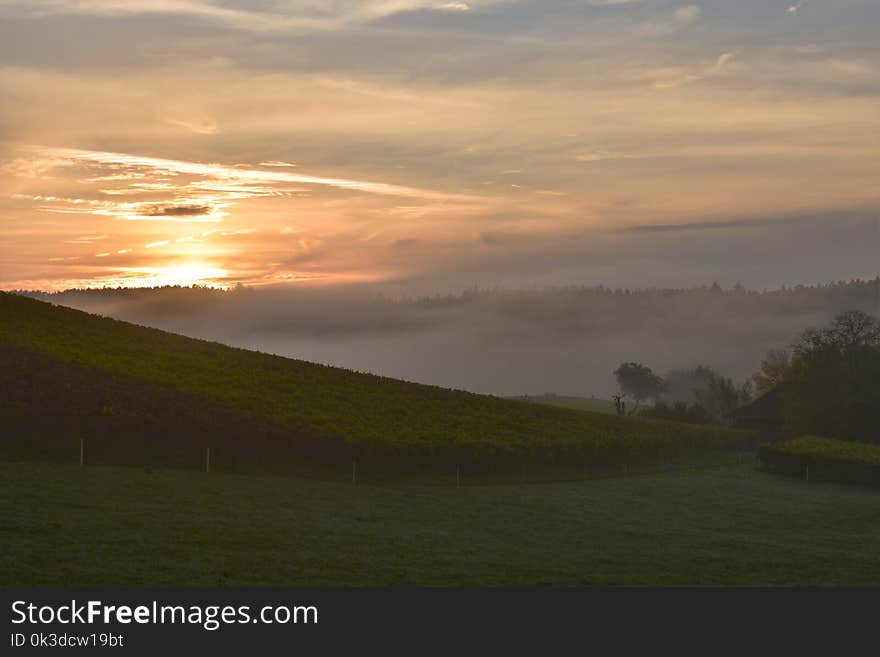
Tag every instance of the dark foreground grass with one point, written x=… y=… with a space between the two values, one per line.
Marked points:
x=731 y=525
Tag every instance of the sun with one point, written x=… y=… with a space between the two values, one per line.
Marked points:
x=184 y=274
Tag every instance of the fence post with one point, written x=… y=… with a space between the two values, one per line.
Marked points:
x=458 y=475
x=81 y=451
x=354 y=471
x=207 y=459
x=808 y=473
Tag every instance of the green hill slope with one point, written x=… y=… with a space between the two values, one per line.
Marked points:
x=592 y=404
x=105 y=368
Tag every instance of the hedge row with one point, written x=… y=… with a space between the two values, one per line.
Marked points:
x=823 y=458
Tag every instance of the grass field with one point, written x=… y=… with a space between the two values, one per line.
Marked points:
x=729 y=525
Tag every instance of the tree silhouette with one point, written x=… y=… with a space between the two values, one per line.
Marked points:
x=638 y=381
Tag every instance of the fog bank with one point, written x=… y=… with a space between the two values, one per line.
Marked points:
x=501 y=341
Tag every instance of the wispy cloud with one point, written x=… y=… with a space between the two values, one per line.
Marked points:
x=227 y=173
x=688 y=14
x=87 y=239
x=611 y=3
x=277 y=163
x=190 y=192
x=669 y=79
x=295 y=16
x=196 y=126
x=848 y=67
x=740 y=223
x=602 y=156
x=678 y=19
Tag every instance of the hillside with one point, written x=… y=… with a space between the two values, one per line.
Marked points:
x=133 y=385
x=592 y=404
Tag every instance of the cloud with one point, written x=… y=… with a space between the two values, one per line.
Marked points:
x=87 y=239
x=227 y=173
x=602 y=156
x=838 y=216
x=129 y=210
x=688 y=14
x=680 y=78
x=680 y=18
x=196 y=126
x=848 y=67
x=194 y=191
x=708 y=225
x=292 y=16
x=174 y=210
x=405 y=243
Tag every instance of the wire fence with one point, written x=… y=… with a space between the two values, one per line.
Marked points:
x=210 y=460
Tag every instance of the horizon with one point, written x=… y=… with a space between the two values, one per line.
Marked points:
x=458 y=292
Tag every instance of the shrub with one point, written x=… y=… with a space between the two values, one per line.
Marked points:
x=833 y=460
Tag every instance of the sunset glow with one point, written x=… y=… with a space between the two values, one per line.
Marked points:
x=432 y=146
x=184 y=275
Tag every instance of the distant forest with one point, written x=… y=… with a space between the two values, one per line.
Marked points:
x=583 y=306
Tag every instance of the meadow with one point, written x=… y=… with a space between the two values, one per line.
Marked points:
x=731 y=524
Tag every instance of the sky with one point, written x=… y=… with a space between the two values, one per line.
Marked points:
x=430 y=145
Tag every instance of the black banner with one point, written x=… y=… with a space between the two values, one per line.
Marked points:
x=323 y=621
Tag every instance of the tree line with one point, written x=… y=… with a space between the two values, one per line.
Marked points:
x=828 y=383
x=698 y=396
